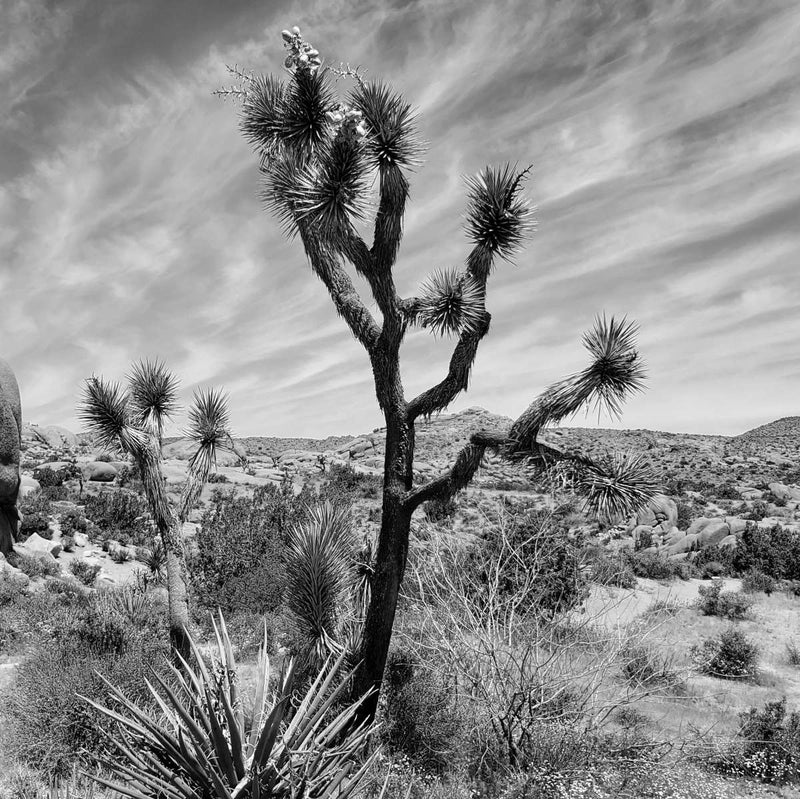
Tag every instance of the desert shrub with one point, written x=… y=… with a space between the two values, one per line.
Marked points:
x=85 y=572
x=40 y=565
x=238 y=565
x=713 y=561
x=712 y=568
x=344 y=483
x=729 y=656
x=652 y=566
x=613 y=570
x=120 y=555
x=36 y=522
x=34 y=502
x=216 y=477
x=774 y=551
x=439 y=510
x=12 y=587
x=646 y=667
x=771 y=743
x=57 y=493
x=47 y=477
x=537 y=557
x=731 y=605
x=726 y=491
x=420 y=717
x=73 y=521
x=759 y=511
x=121 y=515
x=756 y=582
x=793 y=653
x=49 y=726
x=685 y=515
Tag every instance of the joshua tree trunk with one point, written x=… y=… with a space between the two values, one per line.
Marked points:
x=169 y=531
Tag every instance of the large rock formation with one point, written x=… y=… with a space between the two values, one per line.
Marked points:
x=10 y=434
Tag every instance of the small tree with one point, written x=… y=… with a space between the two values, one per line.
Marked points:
x=133 y=420
x=318 y=157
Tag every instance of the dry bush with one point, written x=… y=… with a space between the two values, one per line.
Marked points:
x=523 y=676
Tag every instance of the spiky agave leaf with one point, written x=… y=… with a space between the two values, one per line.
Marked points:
x=392 y=138
x=498 y=216
x=318 y=566
x=617 y=486
x=450 y=302
x=261 y=115
x=153 y=395
x=204 y=745
x=105 y=414
x=615 y=372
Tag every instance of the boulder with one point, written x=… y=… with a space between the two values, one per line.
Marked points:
x=36 y=545
x=684 y=544
x=736 y=524
x=54 y=436
x=81 y=539
x=99 y=472
x=673 y=535
x=360 y=446
x=660 y=509
x=27 y=485
x=713 y=533
x=782 y=491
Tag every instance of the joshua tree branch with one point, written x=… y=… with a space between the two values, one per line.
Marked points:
x=348 y=303
x=443 y=393
x=389 y=219
x=460 y=474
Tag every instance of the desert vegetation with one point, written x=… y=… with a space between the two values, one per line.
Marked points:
x=452 y=605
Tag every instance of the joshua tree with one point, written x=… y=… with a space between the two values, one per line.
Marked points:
x=319 y=156
x=133 y=420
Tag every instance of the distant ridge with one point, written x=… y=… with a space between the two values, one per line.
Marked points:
x=781 y=430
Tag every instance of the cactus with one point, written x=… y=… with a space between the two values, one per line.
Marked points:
x=10 y=435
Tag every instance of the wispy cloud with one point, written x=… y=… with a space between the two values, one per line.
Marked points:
x=666 y=175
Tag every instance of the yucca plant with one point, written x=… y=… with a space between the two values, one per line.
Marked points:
x=327 y=577
x=132 y=420
x=320 y=156
x=214 y=743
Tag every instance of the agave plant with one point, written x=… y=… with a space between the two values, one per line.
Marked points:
x=209 y=742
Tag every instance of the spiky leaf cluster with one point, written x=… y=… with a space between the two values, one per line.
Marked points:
x=260 y=118
x=450 y=302
x=498 y=216
x=152 y=395
x=617 y=487
x=329 y=197
x=319 y=561
x=615 y=372
x=392 y=139
x=105 y=413
x=205 y=745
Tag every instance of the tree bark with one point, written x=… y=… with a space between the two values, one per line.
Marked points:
x=169 y=530
x=390 y=561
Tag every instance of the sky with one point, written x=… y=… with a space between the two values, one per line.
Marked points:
x=665 y=142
